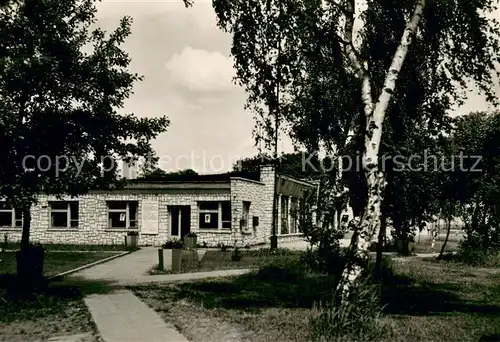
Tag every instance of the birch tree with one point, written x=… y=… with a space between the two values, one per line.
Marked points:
x=460 y=38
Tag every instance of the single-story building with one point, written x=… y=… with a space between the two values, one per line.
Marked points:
x=224 y=208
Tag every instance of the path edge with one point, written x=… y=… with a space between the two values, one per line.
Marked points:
x=188 y=277
x=65 y=273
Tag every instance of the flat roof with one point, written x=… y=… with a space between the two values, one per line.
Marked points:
x=296 y=180
x=209 y=181
x=196 y=179
x=178 y=185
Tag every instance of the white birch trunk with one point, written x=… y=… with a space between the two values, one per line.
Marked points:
x=369 y=226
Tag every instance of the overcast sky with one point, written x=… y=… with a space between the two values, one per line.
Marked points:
x=187 y=72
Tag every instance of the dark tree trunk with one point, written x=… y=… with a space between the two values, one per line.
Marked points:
x=30 y=258
x=25 y=239
x=475 y=216
x=448 y=228
x=380 y=247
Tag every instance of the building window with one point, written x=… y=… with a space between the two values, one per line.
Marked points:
x=294 y=207
x=302 y=217
x=122 y=214
x=64 y=214
x=246 y=215
x=215 y=215
x=284 y=215
x=10 y=217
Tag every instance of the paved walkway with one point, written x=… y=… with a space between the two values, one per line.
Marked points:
x=122 y=317
x=132 y=269
x=126 y=268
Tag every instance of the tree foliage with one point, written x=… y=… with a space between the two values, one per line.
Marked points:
x=383 y=90
x=301 y=165
x=478 y=186
x=61 y=85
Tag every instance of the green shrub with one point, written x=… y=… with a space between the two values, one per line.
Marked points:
x=354 y=319
x=290 y=270
x=386 y=270
x=481 y=244
x=478 y=257
x=324 y=260
x=173 y=243
x=236 y=255
x=222 y=247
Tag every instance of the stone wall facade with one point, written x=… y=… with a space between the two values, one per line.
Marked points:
x=93 y=227
x=93 y=218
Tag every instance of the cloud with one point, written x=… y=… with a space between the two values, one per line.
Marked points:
x=201 y=71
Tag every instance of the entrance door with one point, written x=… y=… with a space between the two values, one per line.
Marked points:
x=180 y=220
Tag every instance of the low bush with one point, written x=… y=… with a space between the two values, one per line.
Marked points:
x=354 y=319
x=357 y=317
x=488 y=258
x=222 y=247
x=282 y=271
x=173 y=243
x=236 y=255
x=480 y=246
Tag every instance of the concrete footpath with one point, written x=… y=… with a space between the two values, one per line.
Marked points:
x=122 y=317
x=132 y=269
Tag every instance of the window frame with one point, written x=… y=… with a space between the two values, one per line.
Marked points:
x=284 y=211
x=218 y=211
x=303 y=215
x=125 y=210
x=13 y=220
x=68 y=211
x=294 y=217
x=245 y=214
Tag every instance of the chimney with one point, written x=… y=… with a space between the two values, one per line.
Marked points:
x=129 y=170
x=267 y=173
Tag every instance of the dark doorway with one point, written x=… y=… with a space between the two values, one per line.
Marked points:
x=180 y=220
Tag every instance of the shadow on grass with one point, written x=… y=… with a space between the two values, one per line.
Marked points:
x=271 y=286
x=292 y=287
x=490 y=338
x=404 y=295
x=18 y=301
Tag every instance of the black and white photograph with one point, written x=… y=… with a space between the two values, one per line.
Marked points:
x=249 y=170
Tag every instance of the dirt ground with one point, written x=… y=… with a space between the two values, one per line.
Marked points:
x=200 y=324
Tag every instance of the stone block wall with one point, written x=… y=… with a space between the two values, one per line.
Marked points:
x=93 y=215
x=260 y=195
x=93 y=218
x=254 y=193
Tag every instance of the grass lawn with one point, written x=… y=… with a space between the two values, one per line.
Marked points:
x=55 y=262
x=443 y=301
x=55 y=310
x=72 y=248
x=425 y=300
x=219 y=260
x=426 y=246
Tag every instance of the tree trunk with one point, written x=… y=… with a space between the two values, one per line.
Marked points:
x=448 y=228
x=374 y=118
x=29 y=259
x=368 y=227
x=25 y=238
x=405 y=237
x=380 y=247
